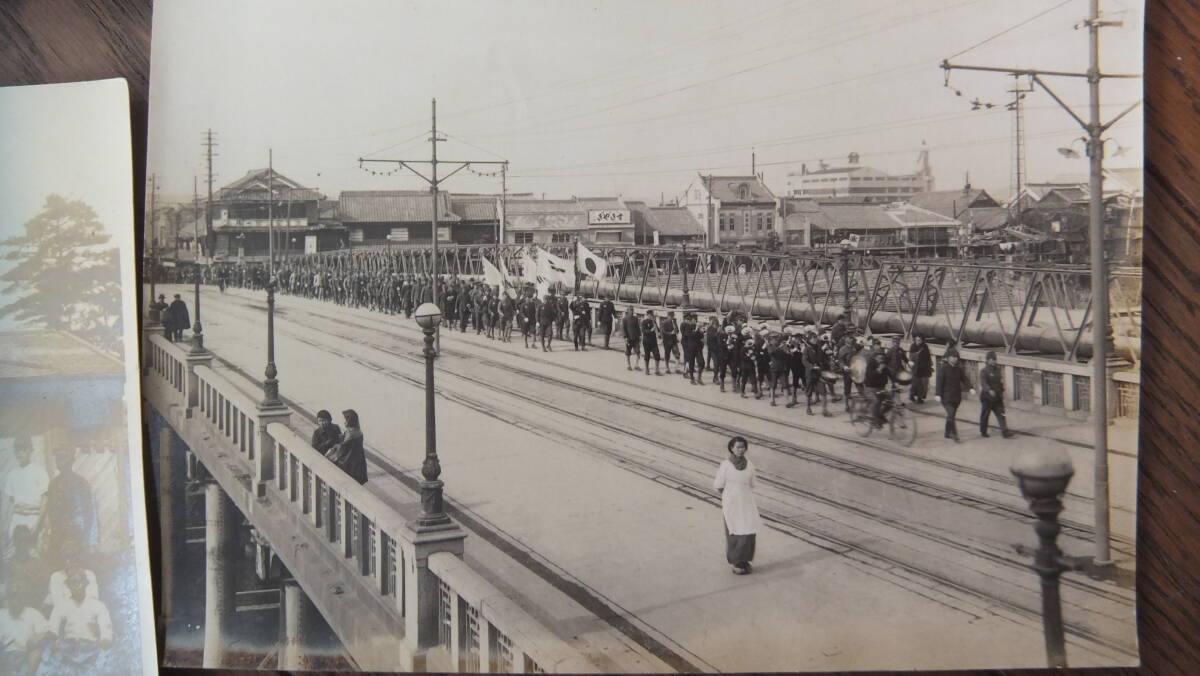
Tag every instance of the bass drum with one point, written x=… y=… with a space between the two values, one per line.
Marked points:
x=830 y=376
x=904 y=377
x=858 y=368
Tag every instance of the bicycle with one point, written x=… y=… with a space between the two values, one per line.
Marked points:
x=900 y=424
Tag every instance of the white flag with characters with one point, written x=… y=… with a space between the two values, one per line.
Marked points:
x=554 y=269
x=589 y=263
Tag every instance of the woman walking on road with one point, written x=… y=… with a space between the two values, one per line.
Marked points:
x=735 y=482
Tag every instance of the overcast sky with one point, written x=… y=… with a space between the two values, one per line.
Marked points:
x=622 y=97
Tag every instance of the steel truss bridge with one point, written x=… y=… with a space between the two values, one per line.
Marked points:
x=1034 y=309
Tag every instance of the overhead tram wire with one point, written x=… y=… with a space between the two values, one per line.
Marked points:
x=740 y=71
x=789 y=140
x=634 y=61
x=1011 y=28
x=886 y=153
x=801 y=93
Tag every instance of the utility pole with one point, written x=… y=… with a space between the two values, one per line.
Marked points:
x=503 y=224
x=1017 y=180
x=434 y=182
x=1101 y=330
x=197 y=328
x=209 y=143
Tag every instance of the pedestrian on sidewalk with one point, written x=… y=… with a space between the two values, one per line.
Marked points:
x=922 y=365
x=735 y=483
x=348 y=454
x=951 y=383
x=327 y=435
x=991 y=397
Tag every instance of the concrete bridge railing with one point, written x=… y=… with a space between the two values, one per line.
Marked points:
x=427 y=609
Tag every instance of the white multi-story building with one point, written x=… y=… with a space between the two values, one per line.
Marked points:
x=861 y=183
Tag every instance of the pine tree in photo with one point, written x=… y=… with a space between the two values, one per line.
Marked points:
x=64 y=277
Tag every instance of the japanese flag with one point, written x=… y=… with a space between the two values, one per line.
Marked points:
x=589 y=263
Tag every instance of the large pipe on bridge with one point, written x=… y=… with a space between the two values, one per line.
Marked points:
x=984 y=331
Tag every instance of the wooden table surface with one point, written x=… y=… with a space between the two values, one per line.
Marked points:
x=63 y=40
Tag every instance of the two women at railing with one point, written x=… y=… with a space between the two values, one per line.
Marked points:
x=343 y=447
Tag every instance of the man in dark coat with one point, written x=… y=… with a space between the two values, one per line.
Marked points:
x=348 y=454
x=632 y=329
x=951 y=383
x=604 y=317
x=649 y=332
x=180 y=319
x=922 y=366
x=327 y=434
x=991 y=397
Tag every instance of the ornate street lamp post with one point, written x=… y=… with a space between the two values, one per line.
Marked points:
x=433 y=516
x=1043 y=477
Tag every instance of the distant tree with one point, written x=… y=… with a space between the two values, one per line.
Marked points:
x=65 y=277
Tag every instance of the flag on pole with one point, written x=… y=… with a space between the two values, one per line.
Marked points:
x=555 y=269
x=589 y=263
x=493 y=276
x=529 y=268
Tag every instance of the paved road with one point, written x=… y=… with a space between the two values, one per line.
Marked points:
x=589 y=488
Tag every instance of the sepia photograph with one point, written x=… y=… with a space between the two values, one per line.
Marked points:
x=74 y=565
x=619 y=337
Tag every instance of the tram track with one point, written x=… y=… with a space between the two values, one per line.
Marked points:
x=1081 y=531
x=821 y=537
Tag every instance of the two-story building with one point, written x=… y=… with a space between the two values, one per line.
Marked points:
x=399 y=217
x=734 y=210
x=263 y=201
x=592 y=220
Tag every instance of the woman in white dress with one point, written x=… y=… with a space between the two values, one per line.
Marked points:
x=735 y=482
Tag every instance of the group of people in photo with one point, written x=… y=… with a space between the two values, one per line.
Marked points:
x=813 y=363
x=54 y=621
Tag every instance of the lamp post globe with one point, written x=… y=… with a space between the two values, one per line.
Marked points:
x=428 y=316
x=1043 y=473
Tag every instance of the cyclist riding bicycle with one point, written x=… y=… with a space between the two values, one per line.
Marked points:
x=875 y=386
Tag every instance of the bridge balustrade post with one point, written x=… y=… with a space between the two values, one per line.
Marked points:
x=421 y=591
x=191 y=386
x=265 y=450
x=148 y=331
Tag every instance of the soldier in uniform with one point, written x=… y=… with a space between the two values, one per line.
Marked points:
x=580 y=318
x=548 y=317
x=670 y=337
x=815 y=361
x=604 y=316
x=562 y=316
x=778 y=355
x=692 y=339
x=507 y=308
x=632 y=329
x=529 y=314
x=718 y=352
x=649 y=331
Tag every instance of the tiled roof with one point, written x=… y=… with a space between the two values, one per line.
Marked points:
x=673 y=222
x=474 y=208
x=29 y=354
x=985 y=218
x=875 y=216
x=950 y=202
x=600 y=203
x=392 y=206
x=567 y=206
x=726 y=188
x=257 y=184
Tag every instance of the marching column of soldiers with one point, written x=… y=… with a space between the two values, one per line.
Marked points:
x=751 y=360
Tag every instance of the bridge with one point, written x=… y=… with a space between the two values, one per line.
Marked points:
x=584 y=507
